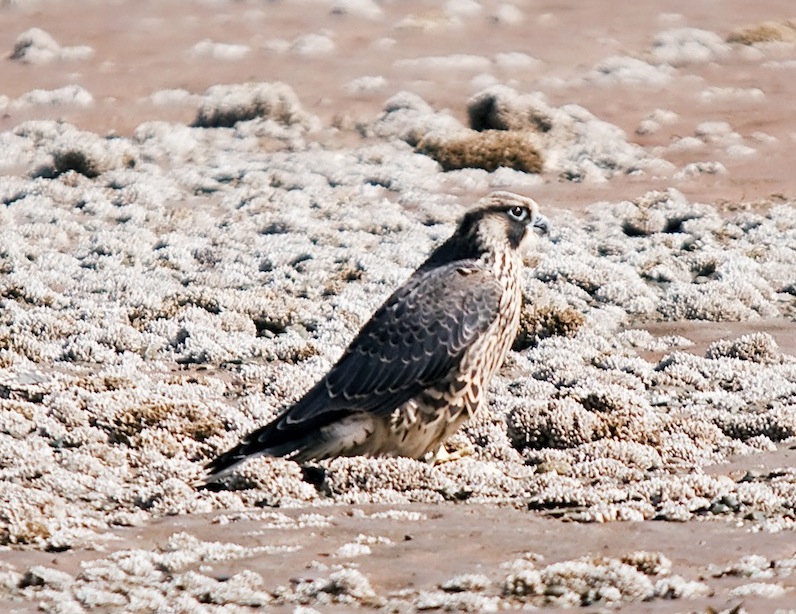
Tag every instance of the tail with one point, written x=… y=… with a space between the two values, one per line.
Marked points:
x=300 y=441
x=254 y=444
x=280 y=437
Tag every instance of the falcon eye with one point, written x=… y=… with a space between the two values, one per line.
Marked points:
x=518 y=213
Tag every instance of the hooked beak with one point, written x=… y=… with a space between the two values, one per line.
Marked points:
x=541 y=225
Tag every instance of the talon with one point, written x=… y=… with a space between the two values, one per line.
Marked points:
x=443 y=456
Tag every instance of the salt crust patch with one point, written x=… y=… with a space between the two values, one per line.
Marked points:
x=37 y=46
x=274 y=520
x=361 y=546
x=684 y=46
x=366 y=84
x=759 y=589
x=714 y=95
x=508 y=14
x=181 y=572
x=708 y=135
x=219 y=51
x=140 y=579
x=358 y=8
x=625 y=69
x=671 y=50
x=451 y=62
x=311 y=45
x=252 y=267
x=398 y=515
x=68 y=95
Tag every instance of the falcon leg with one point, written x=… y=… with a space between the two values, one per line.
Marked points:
x=443 y=456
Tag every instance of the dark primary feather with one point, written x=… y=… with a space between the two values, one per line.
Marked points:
x=413 y=340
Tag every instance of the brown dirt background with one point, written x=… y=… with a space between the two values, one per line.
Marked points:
x=140 y=47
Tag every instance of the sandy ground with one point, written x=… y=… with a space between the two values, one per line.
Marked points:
x=407 y=552
x=444 y=541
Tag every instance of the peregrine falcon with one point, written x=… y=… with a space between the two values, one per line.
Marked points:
x=421 y=365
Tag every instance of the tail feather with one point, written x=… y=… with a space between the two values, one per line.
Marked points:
x=249 y=447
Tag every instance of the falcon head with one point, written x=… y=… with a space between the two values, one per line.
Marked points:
x=503 y=219
x=500 y=222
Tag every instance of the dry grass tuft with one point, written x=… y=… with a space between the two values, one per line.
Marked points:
x=540 y=322
x=488 y=150
x=765 y=32
x=178 y=419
